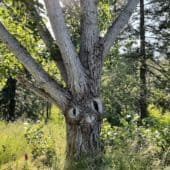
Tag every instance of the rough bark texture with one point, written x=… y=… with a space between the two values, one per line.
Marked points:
x=83 y=123
x=80 y=99
x=83 y=138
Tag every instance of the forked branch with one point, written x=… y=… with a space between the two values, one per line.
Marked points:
x=75 y=72
x=47 y=83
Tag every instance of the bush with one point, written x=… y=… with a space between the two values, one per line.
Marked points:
x=42 y=145
x=134 y=147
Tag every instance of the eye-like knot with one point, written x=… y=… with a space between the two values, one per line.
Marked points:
x=97 y=105
x=73 y=112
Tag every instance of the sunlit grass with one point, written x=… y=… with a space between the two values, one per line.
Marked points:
x=12 y=143
x=126 y=148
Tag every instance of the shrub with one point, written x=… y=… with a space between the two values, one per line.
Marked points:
x=134 y=147
x=41 y=144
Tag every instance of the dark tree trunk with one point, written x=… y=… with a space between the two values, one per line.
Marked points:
x=48 y=111
x=8 y=100
x=143 y=66
x=12 y=93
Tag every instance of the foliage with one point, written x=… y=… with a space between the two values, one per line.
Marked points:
x=43 y=152
x=42 y=146
x=12 y=144
x=127 y=146
x=158 y=114
x=136 y=147
x=120 y=86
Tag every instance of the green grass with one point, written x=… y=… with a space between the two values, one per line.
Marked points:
x=12 y=143
x=126 y=148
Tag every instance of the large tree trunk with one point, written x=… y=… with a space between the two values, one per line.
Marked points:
x=83 y=139
x=83 y=125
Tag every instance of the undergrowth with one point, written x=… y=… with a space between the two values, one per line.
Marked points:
x=25 y=145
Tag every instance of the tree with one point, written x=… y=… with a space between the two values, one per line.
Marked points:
x=7 y=100
x=149 y=26
x=143 y=66
x=79 y=98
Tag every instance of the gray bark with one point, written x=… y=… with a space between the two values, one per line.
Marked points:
x=76 y=75
x=89 y=31
x=90 y=49
x=83 y=123
x=117 y=25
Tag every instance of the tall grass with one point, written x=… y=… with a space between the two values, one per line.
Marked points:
x=128 y=147
x=12 y=143
x=14 y=146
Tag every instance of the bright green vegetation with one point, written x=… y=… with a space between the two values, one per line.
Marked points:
x=127 y=147
x=43 y=143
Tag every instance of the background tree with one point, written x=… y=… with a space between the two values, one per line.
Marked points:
x=7 y=101
x=143 y=66
x=121 y=73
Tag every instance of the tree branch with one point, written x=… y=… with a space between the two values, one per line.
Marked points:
x=117 y=25
x=89 y=30
x=51 y=47
x=40 y=92
x=45 y=35
x=47 y=83
x=75 y=72
x=48 y=40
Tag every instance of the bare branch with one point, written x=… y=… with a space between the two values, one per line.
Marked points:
x=117 y=25
x=39 y=92
x=45 y=35
x=51 y=47
x=76 y=75
x=89 y=30
x=47 y=83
